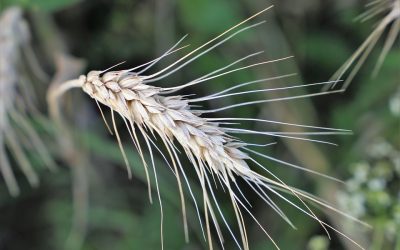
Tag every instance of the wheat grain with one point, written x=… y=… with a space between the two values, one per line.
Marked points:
x=14 y=103
x=215 y=153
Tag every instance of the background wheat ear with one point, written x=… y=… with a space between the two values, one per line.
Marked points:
x=18 y=68
x=390 y=20
x=212 y=145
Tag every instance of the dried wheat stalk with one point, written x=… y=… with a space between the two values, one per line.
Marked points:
x=16 y=132
x=212 y=148
x=391 y=18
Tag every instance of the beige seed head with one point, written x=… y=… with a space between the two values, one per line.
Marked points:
x=170 y=116
x=212 y=148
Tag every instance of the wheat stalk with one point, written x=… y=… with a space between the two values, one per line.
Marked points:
x=210 y=144
x=16 y=132
x=391 y=9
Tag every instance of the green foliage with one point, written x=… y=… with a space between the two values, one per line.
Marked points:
x=373 y=189
x=324 y=49
x=41 y=5
x=201 y=16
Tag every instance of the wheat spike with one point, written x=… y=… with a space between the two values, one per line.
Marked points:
x=14 y=103
x=391 y=9
x=212 y=148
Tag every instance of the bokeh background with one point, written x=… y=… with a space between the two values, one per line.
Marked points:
x=90 y=203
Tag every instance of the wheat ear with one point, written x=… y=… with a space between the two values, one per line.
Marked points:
x=210 y=144
x=391 y=8
x=15 y=104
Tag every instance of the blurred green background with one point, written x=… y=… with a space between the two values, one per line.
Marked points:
x=116 y=212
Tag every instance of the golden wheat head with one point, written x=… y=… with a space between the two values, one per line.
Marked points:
x=210 y=144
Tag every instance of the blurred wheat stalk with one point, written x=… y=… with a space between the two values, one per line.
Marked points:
x=390 y=10
x=17 y=100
